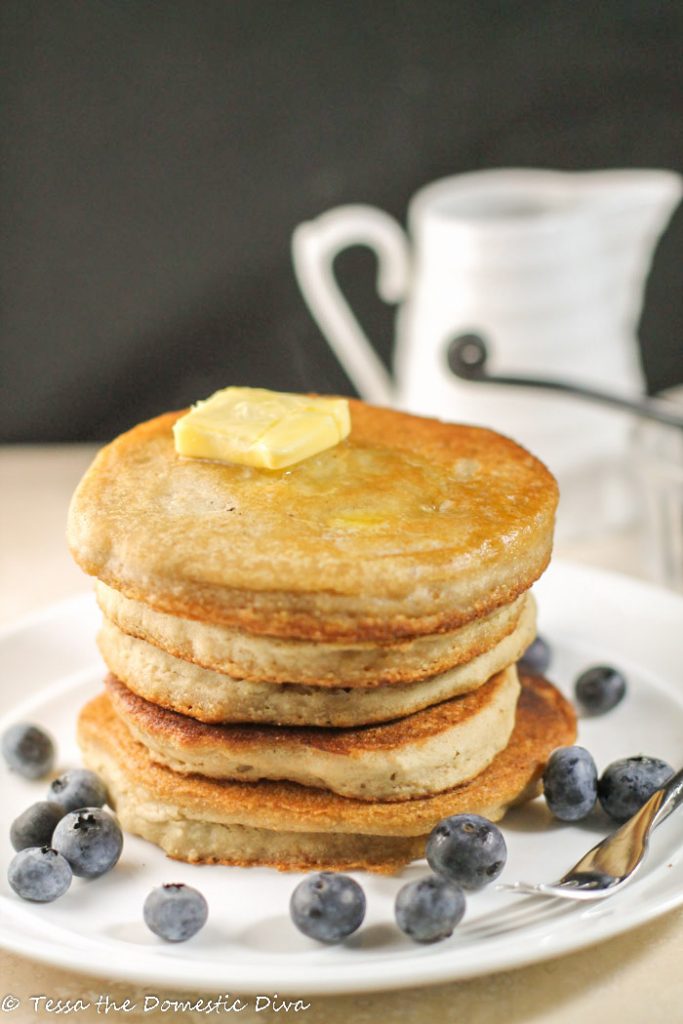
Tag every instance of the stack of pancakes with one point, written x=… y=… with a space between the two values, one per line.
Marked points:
x=311 y=667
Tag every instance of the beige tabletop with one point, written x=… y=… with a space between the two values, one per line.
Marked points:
x=633 y=979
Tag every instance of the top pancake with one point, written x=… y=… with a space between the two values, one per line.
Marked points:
x=410 y=526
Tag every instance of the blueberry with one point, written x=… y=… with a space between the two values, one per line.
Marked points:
x=90 y=839
x=627 y=784
x=78 y=788
x=570 y=783
x=28 y=750
x=327 y=906
x=35 y=826
x=39 y=874
x=599 y=689
x=429 y=909
x=466 y=849
x=175 y=912
x=536 y=658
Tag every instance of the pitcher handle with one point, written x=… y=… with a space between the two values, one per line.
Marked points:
x=314 y=247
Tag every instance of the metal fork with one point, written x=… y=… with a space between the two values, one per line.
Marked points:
x=612 y=863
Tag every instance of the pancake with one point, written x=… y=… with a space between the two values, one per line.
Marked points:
x=409 y=527
x=292 y=827
x=419 y=755
x=276 y=660
x=213 y=697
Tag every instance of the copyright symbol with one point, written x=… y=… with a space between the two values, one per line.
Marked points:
x=9 y=1003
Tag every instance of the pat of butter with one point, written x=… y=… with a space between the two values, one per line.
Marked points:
x=260 y=428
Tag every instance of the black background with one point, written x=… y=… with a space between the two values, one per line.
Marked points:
x=156 y=157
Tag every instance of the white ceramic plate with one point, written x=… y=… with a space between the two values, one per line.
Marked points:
x=49 y=666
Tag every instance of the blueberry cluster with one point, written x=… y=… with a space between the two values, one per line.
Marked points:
x=69 y=833
x=465 y=851
x=571 y=783
x=64 y=835
x=572 y=787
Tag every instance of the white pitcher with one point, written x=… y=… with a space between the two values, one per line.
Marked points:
x=549 y=267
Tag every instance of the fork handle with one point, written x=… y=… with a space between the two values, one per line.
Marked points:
x=671 y=795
